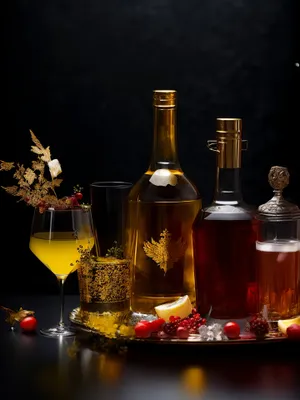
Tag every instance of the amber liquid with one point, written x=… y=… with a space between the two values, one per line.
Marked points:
x=278 y=277
x=153 y=210
x=224 y=265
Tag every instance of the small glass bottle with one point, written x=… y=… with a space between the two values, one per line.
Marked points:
x=163 y=205
x=277 y=252
x=224 y=235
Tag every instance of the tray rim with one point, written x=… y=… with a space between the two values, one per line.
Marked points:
x=176 y=341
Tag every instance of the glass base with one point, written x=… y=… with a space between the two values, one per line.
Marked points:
x=58 y=331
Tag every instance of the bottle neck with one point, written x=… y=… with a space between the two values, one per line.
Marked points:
x=229 y=160
x=228 y=186
x=164 y=153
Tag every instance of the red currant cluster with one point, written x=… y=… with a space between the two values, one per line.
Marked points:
x=183 y=327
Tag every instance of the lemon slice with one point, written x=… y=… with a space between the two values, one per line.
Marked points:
x=283 y=324
x=179 y=308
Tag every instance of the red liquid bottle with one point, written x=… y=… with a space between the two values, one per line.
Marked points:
x=224 y=236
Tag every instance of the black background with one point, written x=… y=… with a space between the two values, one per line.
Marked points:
x=80 y=74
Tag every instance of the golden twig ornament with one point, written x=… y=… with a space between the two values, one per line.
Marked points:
x=32 y=185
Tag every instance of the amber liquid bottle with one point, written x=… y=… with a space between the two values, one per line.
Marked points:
x=224 y=236
x=163 y=205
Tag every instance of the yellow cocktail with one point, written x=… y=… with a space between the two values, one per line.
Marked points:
x=59 y=250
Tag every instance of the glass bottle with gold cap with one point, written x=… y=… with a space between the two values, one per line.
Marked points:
x=163 y=205
x=278 y=252
x=224 y=235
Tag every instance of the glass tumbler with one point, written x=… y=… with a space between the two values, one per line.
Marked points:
x=105 y=278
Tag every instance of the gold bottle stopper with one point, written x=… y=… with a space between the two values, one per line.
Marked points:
x=164 y=98
x=229 y=143
x=229 y=126
x=278 y=207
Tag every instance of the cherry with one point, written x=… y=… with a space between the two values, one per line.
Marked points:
x=293 y=332
x=142 y=330
x=144 y=321
x=232 y=330
x=28 y=324
x=182 y=333
x=157 y=324
x=78 y=196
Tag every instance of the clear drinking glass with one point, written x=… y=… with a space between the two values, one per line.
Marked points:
x=56 y=237
x=109 y=209
x=105 y=280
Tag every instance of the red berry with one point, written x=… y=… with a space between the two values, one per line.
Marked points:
x=144 y=321
x=74 y=201
x=172 y=318
x=78 y=196
x=28 y=324
x=232 y=330
x=259 y=326
x=157 y=324
x=182 y=333
x=293 y=332
x=142 y=330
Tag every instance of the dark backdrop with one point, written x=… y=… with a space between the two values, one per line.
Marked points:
x=80 y=74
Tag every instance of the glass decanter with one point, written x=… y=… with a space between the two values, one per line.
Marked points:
x=277 y=252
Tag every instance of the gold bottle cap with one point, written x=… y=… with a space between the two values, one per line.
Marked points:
x=164 y=98
x=229 y=125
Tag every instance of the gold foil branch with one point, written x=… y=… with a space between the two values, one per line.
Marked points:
x=165 y=252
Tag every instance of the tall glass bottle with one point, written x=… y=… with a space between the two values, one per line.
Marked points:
x=163 y=205
x=224 y=235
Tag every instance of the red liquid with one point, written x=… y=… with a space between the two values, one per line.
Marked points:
x=224 y=267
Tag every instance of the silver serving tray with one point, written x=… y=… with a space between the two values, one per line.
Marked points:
x=193 y=340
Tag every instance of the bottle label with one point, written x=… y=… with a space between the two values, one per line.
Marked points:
x=166 y=251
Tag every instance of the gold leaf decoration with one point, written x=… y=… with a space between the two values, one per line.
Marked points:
x=6 y=166
x=33 y=187
x=13 y=190
x=29 y=176
x=44 y=154
x=165 y=252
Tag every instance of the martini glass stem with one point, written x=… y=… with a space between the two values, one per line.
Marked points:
x=61 y=323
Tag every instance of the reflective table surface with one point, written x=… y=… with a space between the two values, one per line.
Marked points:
x=79 y=368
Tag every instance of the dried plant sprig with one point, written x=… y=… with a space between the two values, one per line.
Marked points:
x=32 y=186
x=115 y=251
x=15 y=316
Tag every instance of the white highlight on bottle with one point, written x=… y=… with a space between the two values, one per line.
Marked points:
x=163 y=177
